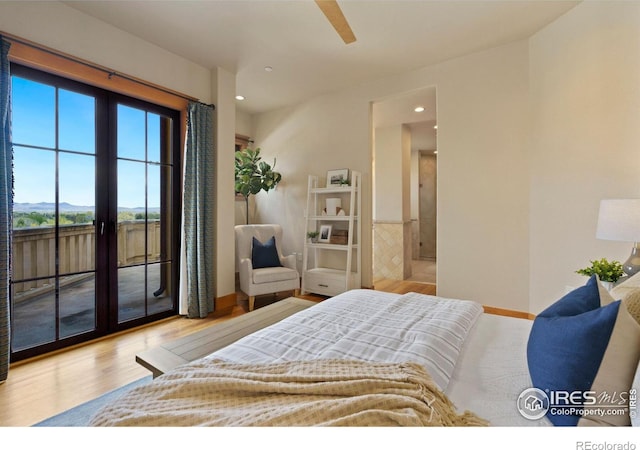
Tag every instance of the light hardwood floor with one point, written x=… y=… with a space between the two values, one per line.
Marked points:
x=42 y=387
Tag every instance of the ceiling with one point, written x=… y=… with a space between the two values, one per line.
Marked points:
x=305 y=53
x=401 y=108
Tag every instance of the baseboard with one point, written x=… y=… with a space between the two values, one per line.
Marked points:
x=224 y=305
x=508 y=312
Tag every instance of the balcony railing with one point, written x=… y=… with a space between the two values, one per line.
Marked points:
x=41 y=315
x=34 y=252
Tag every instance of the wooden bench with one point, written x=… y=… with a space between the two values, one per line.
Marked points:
x=196 y=345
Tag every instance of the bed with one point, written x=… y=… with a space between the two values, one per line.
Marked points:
x=471 y=365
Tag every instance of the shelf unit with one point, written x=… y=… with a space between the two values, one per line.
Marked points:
x=331 y=268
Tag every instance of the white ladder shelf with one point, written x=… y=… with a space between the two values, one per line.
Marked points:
x=333 y=265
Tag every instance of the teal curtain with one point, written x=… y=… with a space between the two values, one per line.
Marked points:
x=198 y=218
x=6 y=206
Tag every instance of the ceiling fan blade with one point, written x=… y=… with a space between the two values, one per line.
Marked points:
x=332 y=10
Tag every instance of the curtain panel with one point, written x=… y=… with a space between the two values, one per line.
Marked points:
x=197 y=281
x=6 y=206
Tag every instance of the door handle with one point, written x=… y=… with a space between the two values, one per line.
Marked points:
x=102 y=228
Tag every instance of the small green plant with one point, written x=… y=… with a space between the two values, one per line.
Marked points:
x=606 y=270
x=313 y=235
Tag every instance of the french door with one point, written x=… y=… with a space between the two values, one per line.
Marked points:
x=95 y=223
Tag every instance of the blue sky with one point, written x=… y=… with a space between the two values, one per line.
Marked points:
x=33 y=123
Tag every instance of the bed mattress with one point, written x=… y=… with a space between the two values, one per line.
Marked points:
x=486 y=377
x=492 y=371
x=366 y=325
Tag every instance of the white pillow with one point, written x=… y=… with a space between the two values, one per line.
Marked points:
x=621 y=290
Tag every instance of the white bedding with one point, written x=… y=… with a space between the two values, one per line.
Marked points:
x=492 y=371
x=366 y=325
x=485 y=377
x=477 y=360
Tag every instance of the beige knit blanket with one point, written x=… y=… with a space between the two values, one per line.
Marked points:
x=296 y=393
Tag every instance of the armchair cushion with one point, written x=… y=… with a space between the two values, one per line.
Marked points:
x=274 y=275
x=264 y=254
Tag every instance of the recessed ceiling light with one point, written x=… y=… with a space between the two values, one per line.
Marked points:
x=268 y=69
x=435 y=127
x=239 y=97
x=419 y=109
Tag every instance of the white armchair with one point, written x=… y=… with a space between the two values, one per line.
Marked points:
x=270 y=278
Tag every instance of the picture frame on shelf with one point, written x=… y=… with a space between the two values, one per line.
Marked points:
x=325 y=233
x=337 y=177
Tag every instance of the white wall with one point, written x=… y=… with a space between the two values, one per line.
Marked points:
x=244 y=123
x=244 y=127
x=224 y=87
x=482 y=135
x=405 y=151
x=585 y=98
x=328 y=132
x=388 y=185
x=482 y=217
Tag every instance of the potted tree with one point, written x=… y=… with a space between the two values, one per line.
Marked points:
x=254 y=175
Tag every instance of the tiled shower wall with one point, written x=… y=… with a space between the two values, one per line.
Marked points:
x=392 y=255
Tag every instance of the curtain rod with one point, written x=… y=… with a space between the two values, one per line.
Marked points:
x=110 y=73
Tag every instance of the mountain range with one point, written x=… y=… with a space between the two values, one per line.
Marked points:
x=44 y=207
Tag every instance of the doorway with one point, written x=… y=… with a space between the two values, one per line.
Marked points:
x=404 y=235
x=97 y=178
x=424 y=259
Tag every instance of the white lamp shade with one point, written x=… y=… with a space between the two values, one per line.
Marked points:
x=619 y=220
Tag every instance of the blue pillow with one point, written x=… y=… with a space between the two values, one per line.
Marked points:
x=567 y=343
x=264 y=255
x=582 y=299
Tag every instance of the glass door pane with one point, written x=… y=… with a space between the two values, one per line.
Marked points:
x=76 y=243
x=53 y=284
x=130 y=238
x=143 y=205
x=33 y=113
x=33 y=293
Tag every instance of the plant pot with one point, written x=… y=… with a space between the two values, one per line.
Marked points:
x=608 y=285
